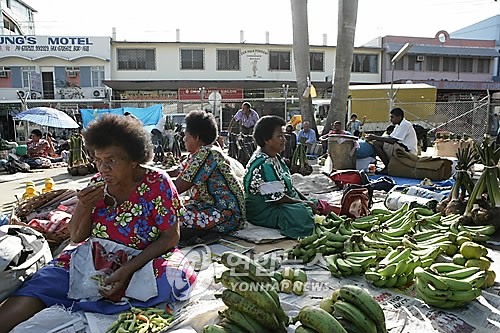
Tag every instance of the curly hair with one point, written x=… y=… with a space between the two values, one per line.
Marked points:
x=125 y=132
x=265 y=127
x=201 y=124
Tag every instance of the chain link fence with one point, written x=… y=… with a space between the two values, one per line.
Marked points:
x=464 y=117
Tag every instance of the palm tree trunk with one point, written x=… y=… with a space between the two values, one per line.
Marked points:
x=348 y=10
x=301 y=58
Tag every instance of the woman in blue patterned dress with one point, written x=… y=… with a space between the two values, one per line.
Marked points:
x=216 y=200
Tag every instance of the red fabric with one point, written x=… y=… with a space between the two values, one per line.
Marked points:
x=344 y=177
x=108 y=263
x=355 y=203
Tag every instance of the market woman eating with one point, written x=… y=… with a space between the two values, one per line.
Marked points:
x=271 y=199
x=128 y=228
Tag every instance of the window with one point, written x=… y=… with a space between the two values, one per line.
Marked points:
x=316 y=61
x=192 y=59
x=136 y=59
x=8 y=4
x=26 y=72
x=10 y=27
x=432 y=64
x=399 y=65
x=97 y=76
x=279 y=60
x=465 y=65
x=483 y=65
x=228 y=60
x=4 y=71
x=365 y=63
x=449 y=64
x=414 y=64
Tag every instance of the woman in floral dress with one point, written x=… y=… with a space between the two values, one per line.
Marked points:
x=216 y=201
x=133 y=224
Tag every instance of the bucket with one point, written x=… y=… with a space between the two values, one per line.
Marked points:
x=342 y=153
x=21 y=150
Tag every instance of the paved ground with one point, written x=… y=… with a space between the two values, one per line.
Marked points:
x=9 y=190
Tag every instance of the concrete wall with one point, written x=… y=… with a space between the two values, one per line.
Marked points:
x=254 y=65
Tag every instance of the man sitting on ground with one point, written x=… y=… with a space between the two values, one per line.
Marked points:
x=403 y=135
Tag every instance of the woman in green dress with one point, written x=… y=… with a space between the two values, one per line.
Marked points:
x=271 y=200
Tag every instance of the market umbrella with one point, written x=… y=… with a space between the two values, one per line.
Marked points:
x=47 y=117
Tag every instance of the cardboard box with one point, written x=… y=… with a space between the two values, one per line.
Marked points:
x=449 y=148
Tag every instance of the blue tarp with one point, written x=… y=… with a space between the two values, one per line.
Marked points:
x=410 y=182
x=149 y=116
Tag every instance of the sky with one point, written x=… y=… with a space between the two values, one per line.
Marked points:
x=222 y=20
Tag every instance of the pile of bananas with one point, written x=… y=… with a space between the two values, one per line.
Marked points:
x=253 y=304
x=322 y=242
x=395 y=270
x=350 y=309
x=170 y=161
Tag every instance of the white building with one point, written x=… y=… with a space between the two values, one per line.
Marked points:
x=17 y=18
x=238 y=71
x=54 y=67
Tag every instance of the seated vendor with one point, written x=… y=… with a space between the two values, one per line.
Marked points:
x=129 y=223
x=403 y=135
x=39 y=150
x=216 y=201
x=271 y=199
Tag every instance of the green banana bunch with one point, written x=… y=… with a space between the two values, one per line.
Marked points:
x=447 y=285
x=318 y=320
x=350 y=263
x=364 y=302
x=322 y=242
x=395 y=270
x=241 y=304
x=353 y=314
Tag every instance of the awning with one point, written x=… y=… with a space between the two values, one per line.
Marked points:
x=120 y=85
x=445 y=50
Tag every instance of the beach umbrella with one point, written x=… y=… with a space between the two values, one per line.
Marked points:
x=47 y=117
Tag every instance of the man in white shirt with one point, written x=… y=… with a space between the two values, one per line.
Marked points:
x=403 y=134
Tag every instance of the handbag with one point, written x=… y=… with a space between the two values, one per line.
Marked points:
x=344 y=177
x=23 y=251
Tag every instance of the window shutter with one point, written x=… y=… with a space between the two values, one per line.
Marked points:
x=16 y=77
x=85 y=76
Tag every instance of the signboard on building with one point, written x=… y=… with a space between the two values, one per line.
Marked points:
x=156 y=95
x=186 y=94
x=254 y=58
x=67 y=47
x=36 y=82
x=464 y=85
